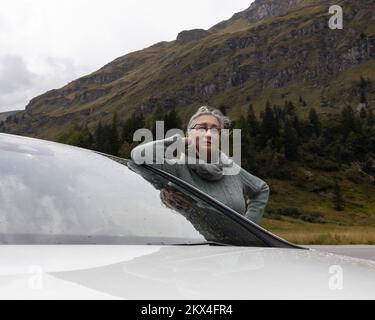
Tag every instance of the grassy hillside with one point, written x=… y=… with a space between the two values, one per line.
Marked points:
x=300 y=212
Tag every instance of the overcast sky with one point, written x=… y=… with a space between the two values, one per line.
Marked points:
x=45 y=44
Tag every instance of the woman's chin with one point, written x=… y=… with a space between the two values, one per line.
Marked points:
x=208 y=153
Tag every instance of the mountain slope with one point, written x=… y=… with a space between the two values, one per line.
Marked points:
x=274 y=50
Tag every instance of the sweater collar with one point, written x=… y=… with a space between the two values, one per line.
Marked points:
x=208 y=171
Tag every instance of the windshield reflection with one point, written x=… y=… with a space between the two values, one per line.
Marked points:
x=51 y=193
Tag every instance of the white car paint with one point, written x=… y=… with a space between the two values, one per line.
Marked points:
x=179 y=272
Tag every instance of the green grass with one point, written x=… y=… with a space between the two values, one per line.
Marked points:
x=317 y=234
x=307 y=217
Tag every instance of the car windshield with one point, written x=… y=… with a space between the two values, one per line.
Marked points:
x=50 y=194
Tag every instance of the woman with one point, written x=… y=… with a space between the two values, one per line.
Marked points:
x=243 y=192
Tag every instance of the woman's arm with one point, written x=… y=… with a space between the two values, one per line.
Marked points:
x=257 y=193
x=154 y=151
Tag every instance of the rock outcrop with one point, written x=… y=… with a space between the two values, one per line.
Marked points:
x=192 y=35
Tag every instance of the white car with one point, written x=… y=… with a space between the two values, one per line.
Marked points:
x=76 y=224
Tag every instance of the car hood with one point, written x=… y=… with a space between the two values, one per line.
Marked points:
x=181 y=272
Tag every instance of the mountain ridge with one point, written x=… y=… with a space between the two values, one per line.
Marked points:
x=285 y=52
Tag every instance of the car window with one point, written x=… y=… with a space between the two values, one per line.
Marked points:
x=58 y=194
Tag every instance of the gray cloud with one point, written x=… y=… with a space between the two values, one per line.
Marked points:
x=15 y=82
x=18 y=85
x=44 y=46
x=14 y=74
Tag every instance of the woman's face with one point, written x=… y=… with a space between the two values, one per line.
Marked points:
x=205 y=135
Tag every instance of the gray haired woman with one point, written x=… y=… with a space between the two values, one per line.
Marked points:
x=243 y=192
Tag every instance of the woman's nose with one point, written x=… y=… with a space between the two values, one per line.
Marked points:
x=212 y=132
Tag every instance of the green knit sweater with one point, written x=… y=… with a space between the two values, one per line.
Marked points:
x=243 y=192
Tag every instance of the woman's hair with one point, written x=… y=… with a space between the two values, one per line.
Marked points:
x=224 y=121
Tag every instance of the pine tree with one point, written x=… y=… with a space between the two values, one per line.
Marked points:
x=172 y=121
x=76 y=136
x=113 y=137
x=348 y=120
x=86 y=139
x=106 y=137
x=252 y=121
x=158 y=115
x=98 y=137
x=296 y=123
x=290 y=141
x=132 y=124
x=289 y=108
x=247 y=145
x=269 y=123
x=314 y=122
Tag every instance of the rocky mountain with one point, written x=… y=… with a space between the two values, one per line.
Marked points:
x=7 y=114
x=259 y=10
x=274 y=50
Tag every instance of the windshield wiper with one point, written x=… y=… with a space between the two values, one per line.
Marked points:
x=203 y=243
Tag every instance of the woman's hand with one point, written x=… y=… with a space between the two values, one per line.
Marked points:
x=175 y=200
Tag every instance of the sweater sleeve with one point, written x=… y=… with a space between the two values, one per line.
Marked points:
x=256 y=192
x=154 y=148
